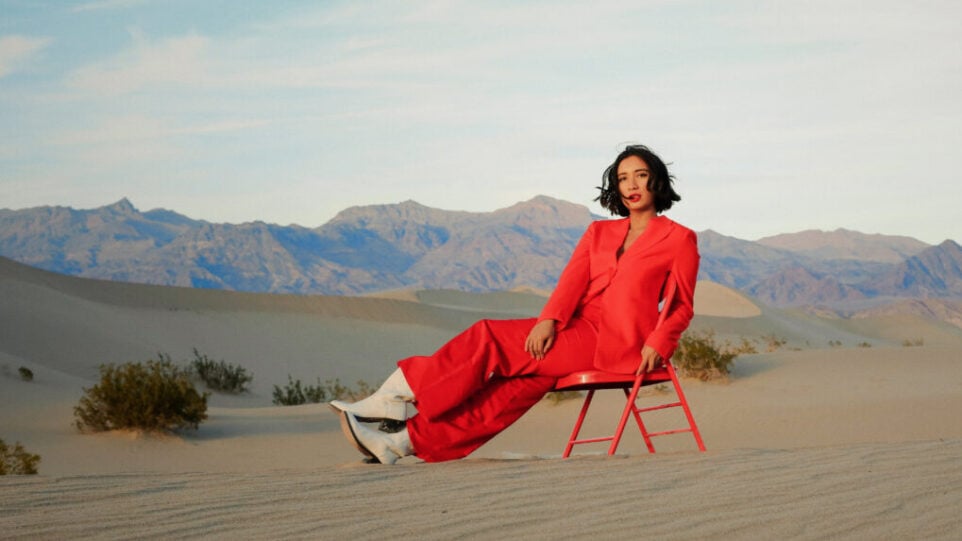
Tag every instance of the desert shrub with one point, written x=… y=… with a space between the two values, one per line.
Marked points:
x=294 y=394
x=332 y=388
x=336 y=391
x=699 y=355
x=558 y=397
x=864 y=345
x=219 y=375
x=652 y=390
x=913 y=343
x=835 y=343
x=773 y=342
x=16 y=460
x=746 y=347
x=25 y=373
x=156 y=395
x=363 y=390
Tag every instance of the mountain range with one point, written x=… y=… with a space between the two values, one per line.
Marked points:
x=408 y=245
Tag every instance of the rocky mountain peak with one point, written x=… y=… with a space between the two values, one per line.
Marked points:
x=124 y=206
x=950 y=246
x=391 y=213
x=544 y=211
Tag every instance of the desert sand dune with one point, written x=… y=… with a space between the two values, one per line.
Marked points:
x=816 y=493
x=808 y=441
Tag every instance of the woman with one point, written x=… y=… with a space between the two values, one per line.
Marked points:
x=602 y=315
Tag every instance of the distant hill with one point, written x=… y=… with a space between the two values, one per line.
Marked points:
x=799 y=285
x=523 y=245
x=846 y=244
x=407 y=245
x=933 y=272
x=740 y=263
x=949 y=311
x=360 y=250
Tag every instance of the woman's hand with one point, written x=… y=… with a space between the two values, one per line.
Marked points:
x=650 y=359
x=540 y=339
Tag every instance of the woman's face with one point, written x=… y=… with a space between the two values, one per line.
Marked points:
x=633 y=175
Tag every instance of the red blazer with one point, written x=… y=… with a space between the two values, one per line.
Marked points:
x=663 y=259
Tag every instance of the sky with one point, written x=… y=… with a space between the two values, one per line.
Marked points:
x=775 y=116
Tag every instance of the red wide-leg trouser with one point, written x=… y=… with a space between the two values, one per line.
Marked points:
x=482 y=381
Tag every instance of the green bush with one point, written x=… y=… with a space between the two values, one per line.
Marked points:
x=154 y=396
x=220 y=376
x=336 y=391
x=17 y=461
x=698 y=355
x=294 y=394
x=25 y=373
x=913 y=343
x=557 y=397
x=747 y=347
x=773 y=342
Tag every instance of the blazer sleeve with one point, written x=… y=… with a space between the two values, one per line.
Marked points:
x=572 y=284
x=681 y=307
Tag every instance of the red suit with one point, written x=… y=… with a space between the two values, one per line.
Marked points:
x=606 y=310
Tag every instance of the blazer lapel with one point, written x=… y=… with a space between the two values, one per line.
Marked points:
x=614 y=240
x=658 y=229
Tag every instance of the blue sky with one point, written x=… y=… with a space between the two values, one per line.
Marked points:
x=776 y=116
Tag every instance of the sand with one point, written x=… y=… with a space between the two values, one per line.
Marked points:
x=807 y=441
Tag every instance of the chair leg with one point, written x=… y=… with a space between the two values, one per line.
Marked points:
x=577 y=429
x=629 y=409
x=641 y=424
x=687 y=410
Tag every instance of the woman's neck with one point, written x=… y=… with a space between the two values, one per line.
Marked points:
x=638 y=221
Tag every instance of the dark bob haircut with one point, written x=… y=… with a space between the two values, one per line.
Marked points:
x=659 y=182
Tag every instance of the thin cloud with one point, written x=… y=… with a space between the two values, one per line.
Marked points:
x=123 y=130
x=16 y=51
x=179 y=61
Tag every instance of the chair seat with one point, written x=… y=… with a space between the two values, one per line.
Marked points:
x=598 y=379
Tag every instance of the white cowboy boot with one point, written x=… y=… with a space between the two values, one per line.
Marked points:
x=390 y=401
x=382 y=447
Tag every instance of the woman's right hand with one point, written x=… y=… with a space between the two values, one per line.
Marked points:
x=540 y=339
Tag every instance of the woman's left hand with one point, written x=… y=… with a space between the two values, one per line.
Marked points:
x=540 y=339
x=650 y=359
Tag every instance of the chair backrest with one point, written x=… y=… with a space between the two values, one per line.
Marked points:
x=671 y=286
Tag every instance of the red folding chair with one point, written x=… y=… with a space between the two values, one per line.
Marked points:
x=595 y=380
